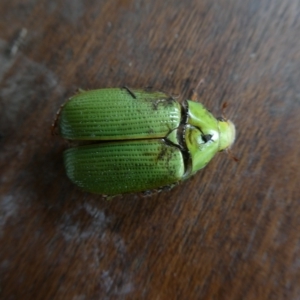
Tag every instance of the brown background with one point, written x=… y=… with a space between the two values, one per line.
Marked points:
x=232 y=231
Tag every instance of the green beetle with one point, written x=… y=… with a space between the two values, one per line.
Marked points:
x=137 y=140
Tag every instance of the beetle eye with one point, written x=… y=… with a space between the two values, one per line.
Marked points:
x=206 y=137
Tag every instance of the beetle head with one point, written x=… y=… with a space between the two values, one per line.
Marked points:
x=226 y=134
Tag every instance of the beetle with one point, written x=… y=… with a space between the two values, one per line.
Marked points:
x=135 y=140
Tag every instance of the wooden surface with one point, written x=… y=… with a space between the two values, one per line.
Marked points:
x=232 y=231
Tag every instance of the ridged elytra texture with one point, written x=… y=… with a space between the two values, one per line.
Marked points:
x=120 y=167
x=137 y=122
x=117 y=114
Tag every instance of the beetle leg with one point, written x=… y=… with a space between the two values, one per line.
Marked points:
x=108 y=197
x=80 y=90
x=147 y=193
x=169 y=187
x=129 y=91
x=54 y=124
x=148 y=89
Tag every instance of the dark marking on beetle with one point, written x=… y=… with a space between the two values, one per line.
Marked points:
x=165 y=102
x=162 y=153
x=206 y=137
x=166 y=154
x=155 y=105
x=150 y=131
x=129 y=91
x=170 y=100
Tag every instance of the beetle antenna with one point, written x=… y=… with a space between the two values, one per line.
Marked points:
x=224 y=106
x=231 y=155
x=194 y=92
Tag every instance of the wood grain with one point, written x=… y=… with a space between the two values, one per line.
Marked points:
x=232 y=231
